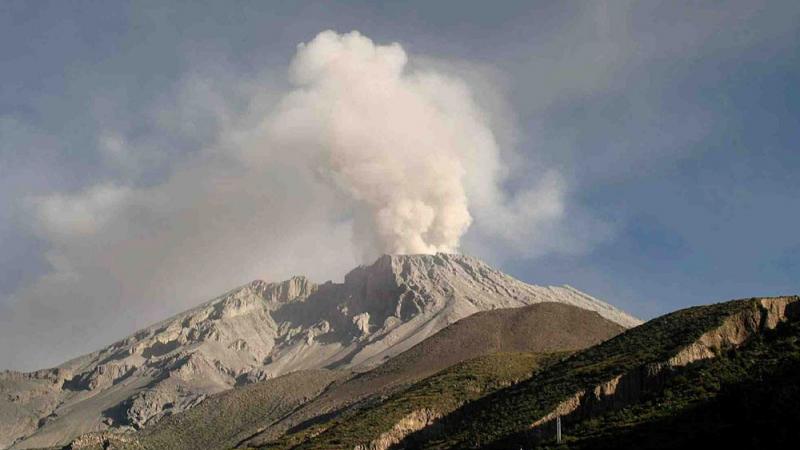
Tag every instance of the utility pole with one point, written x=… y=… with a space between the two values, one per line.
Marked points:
x=558 y=429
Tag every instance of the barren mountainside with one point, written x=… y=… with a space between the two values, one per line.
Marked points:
x=260 y=331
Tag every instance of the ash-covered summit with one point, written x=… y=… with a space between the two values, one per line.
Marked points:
x=258 y=331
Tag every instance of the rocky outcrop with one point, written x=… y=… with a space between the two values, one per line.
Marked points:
x=416 y=420
x=27 y=401
x=278 y=293
x=263 y=330
x=628 y=388
x=101 y=376
x=99 y=441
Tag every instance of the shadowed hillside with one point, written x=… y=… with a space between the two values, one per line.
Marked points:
x=621 y=373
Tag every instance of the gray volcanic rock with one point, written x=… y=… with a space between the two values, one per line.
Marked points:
x=259 y=331
x=217 y=422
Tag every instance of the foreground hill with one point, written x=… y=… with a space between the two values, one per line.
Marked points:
x=745 y=398
x=262 y=331
x=540 y=328
x=667 y=383
x=387 y=421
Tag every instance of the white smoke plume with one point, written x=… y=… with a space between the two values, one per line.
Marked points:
x=395 y=141
x=411 y=148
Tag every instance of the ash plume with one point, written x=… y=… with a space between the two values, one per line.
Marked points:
x=391 y=139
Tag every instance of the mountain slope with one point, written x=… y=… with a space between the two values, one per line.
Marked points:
x=219 y=421
x=386 y=421
x=609 y=377
x=539 y=328
x=260 y=409
x=259 y=331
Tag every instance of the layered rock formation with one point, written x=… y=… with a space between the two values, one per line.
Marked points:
x=629 y=387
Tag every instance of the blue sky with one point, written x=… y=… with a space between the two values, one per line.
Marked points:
x=675 y=125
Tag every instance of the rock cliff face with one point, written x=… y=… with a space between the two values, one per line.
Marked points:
x=628 y=388
x=258 y=331
x=414 y=421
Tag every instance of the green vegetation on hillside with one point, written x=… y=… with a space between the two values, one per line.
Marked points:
x=748 y=397
x=441 y=393
x=502 y=419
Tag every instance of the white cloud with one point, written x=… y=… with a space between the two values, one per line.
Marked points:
x=62 y=216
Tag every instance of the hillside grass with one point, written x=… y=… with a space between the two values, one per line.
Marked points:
x=443 y=392
x=748 y=398
x=539 y=328
x=498 y=420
